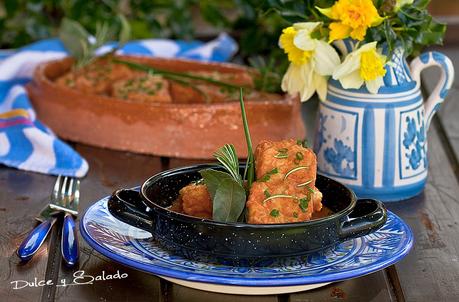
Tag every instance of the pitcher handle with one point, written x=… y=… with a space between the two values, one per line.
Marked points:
x=434 y=58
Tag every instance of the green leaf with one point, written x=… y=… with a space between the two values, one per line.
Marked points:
x=102 y=36
x=227 y=157
x=250 y=165
x=213 y=179
x=74 y=37
x=212 y=14
x=229 y=201
x=125 y=32
x=421 y=4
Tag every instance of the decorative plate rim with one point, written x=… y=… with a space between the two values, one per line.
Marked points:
x=226 y=280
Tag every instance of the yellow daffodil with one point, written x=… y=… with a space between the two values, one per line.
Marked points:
x=364 y=65
x=352 y=18
x=312 y=60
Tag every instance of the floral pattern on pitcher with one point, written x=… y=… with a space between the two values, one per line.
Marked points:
x=414 y=143
x=336 y=151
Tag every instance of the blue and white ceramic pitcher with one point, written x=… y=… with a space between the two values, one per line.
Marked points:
x=376 y=143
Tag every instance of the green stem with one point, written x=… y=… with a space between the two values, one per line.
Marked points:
x=176 y=74
x=249 y=171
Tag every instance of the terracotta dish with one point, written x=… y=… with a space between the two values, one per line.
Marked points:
x=178 y=124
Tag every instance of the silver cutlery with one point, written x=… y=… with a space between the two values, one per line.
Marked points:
x=64 y=199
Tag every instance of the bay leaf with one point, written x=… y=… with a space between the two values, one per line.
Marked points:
x=229 y=201
x=74 y=37
x=213 y=178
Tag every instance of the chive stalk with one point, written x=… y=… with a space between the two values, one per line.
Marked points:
x=279 y=196
x=294 y=170
x=249 y=172
x=171 y=74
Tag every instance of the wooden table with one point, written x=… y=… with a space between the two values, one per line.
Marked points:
x=429 y=273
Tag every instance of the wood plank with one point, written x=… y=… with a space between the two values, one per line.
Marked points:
x=431 y=271
x=22 y=196
x=109 y=170
x=184 y=294
x=374 y=287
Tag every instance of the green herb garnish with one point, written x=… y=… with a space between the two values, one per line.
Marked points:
x=228 y=202
x=174 y=75
x=249 y=172
x=274 y=213
x=268 y=175
x=282 y=153
x=267 y=194
x=227 y=156
x=303 y=143
x=304 y=183
x=310 y=190
x=299 y=156
x=294 y=170
x=77 y=40
x=279 y=196
x=227 y=188
x=304 y=202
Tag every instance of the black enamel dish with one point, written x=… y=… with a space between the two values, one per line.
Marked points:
x=194 y=237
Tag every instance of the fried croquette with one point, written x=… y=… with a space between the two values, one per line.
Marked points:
x=285 y=188
x=292 y=161
x=196 y=201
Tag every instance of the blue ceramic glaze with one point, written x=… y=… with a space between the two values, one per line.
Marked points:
x=377 y=143
x=135 y=247
x=69 y=242
x=35 y=239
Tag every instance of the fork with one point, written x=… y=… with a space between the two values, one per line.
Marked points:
x=64 y=198
x=68 y=188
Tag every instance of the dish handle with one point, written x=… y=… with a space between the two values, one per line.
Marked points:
x=367 y=216
x=127 y=206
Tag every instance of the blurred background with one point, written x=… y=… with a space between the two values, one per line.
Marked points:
x=254 y=24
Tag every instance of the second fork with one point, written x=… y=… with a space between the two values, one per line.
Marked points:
x=69 y=190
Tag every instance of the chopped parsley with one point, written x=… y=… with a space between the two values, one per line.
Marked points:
x=298 y=157
x=268 y=175
x=267 y=194
x=274 y=213
x=282 y=153
x=304 y=203
x=302 y=142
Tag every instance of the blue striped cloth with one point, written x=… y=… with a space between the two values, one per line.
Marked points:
x=27 y=144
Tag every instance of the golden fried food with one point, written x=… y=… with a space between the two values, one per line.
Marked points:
x=291 y=160
x=285 y=188
x=95 y=77
x=146 y=88
x=278 y=202
x=317 y=200
x=196 y=201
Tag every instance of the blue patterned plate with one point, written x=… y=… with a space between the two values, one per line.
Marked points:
x=136 y=248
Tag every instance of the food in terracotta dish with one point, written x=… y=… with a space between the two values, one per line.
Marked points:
x=125 y=80
x=145 y=88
